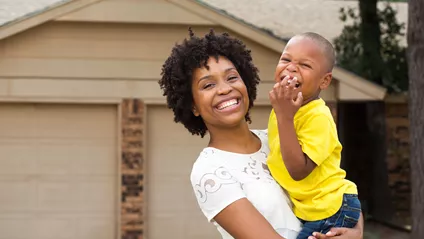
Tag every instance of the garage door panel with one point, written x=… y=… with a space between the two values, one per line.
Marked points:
x=81 y=157
x=55 y=196
x=11 y=227
x=56 y=226
x=80 y=194
x=194 y=229
x=20 y=117
x=17 y=195
x=15 y=159
x=62 y=124
x=170 y=186
x=97 y=195
x=96 y=228
x=58 y=171
x=51 y=227
x=165 y=225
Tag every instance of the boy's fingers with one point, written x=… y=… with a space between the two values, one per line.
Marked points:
x=299 y=99
x=285 y=81
x=294 y=90
x=272 y=96
x=290 y=89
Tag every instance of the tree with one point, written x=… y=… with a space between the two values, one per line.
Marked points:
x=416 y=112
x=370 y=47
x=379 y=35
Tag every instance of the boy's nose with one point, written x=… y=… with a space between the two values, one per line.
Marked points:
x=291 y=67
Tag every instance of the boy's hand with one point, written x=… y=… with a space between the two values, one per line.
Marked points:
x=285 y=98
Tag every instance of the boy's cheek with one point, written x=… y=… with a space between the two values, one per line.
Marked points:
x=278 y=70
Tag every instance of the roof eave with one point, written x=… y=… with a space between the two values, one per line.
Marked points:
x=39 y=17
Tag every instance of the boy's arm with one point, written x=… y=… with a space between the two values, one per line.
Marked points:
x=298 y=164
x=286 y=101
x=301 y=151
x=308 y=148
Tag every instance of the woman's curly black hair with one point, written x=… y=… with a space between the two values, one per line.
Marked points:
x=194 y=53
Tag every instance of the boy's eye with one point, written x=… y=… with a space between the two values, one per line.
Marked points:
x=285 y=59
x=306 y=65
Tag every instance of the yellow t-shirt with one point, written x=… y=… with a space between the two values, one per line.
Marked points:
x=320 y=194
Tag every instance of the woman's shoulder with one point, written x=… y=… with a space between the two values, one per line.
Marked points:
x=263 y=136
x=207 y=162
x=261 y=133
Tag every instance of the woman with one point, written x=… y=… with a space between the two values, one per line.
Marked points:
x=210 y=84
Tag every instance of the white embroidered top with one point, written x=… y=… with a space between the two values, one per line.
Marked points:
x=219 y=178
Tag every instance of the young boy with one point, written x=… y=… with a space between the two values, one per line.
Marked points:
x=305 y=150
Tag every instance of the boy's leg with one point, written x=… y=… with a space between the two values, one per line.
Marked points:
x=349 y=212
x=310 y=227
x=347 y=216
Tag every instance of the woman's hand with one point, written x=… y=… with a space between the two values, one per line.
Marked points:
x=342 y=232
x=338 y=233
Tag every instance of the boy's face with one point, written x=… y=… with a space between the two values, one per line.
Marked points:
x=304 y=59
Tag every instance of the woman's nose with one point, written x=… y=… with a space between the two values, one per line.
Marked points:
x=224 y=88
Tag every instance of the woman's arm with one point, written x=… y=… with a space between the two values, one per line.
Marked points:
x=221 y=198
x=343 y=233
x=243 y=221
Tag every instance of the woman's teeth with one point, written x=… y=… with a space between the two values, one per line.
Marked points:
x=227 y=104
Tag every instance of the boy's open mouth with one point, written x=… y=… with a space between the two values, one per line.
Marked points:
x=291 y=78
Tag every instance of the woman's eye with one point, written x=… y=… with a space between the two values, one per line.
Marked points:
x=207 y=86
x=233 y=78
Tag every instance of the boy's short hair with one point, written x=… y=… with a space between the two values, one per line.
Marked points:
x=327 y=47
x=193 y=53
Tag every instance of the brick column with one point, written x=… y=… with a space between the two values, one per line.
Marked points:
x=398 y=147
x=132 y=218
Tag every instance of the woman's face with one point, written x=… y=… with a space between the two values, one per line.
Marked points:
x=219 y=94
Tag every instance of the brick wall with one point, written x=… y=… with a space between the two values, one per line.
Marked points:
x=132 y=169
x=398 y=157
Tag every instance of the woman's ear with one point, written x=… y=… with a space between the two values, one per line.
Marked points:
x=195 y=112
x=326 y=81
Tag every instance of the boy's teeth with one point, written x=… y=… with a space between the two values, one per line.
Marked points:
x=227 y=104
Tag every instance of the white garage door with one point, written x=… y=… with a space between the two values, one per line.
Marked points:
x=172 y=210
x=58 y=171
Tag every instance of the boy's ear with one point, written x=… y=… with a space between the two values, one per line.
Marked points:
x=326 y=81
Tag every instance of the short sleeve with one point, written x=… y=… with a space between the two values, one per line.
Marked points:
x=272 y=129
x=318 y=138
x=215 y=188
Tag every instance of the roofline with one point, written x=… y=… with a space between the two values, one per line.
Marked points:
x=269 y=40
x=50 y=13
x=262 y=36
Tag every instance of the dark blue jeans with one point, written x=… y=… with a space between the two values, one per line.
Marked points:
x=347 y=216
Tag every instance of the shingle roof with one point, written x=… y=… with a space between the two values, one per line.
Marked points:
x=285 y=18
x=14 y=10
x=282 y=18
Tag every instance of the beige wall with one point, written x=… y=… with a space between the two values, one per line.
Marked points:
x=86 y=60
